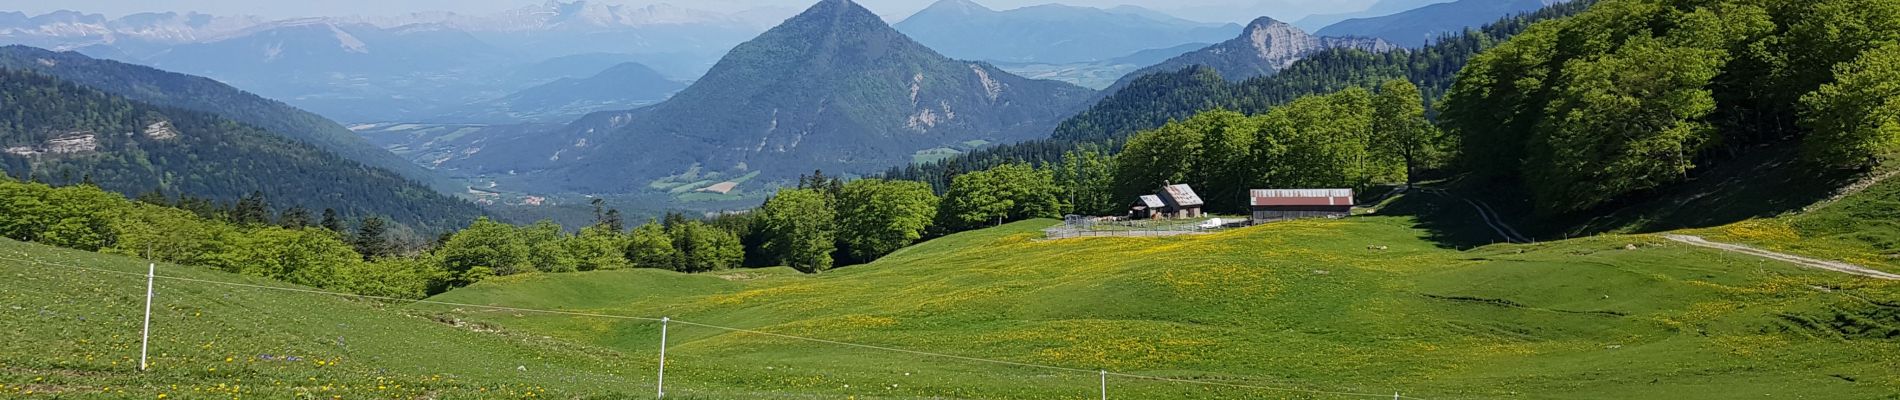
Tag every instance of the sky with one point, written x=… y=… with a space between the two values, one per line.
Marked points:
x=1204 y=10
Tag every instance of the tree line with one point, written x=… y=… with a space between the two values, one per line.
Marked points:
x=823 y=223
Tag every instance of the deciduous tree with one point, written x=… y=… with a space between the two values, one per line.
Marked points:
x=801 y=228
x=1856 y=119
x=877 y=217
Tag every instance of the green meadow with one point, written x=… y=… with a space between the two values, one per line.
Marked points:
x=1302 y=310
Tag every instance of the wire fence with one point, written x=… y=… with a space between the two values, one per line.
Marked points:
x=1076 y=226
x=152 y=278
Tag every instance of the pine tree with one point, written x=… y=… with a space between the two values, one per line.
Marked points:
x=331 y=221
x=154 y=197
x=614 y=222
x=294 y=218
x=251 y=210
x=372 y=238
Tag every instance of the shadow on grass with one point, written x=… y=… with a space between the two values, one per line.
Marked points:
x=1447 y=221
x=1762 y=182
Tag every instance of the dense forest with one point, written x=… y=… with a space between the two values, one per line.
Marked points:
x=1633 y=95
x=63 y=133
x=1153 y=100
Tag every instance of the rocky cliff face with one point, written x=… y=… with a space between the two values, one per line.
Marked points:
x=1264 y=48
x=1278 y=44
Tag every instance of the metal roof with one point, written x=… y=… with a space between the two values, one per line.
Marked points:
x=1182 y=195
x=1152 y=201
x=1302 y=197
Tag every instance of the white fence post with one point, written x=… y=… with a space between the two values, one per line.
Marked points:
x=662 y=378
x=145 y=334
x=1105 y=384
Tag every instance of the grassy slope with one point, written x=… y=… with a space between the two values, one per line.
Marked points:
x=76 y=333
x=1302 y=304
x=1862 y=229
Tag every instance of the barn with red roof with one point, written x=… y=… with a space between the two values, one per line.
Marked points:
x=1284 y=204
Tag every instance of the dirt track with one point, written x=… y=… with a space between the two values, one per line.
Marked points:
x=1798 y=260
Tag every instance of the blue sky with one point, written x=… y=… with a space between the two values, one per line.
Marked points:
x=1206 y=10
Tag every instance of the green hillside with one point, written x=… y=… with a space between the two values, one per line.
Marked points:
x=1371 y=304
x=75 y=334
x=1306 y=305
x=1862 y=229
x=62 y=132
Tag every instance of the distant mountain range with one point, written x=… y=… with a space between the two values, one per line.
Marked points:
x=1052 y=33
x=1416 y=27
x=1265 y=47
x=833 y=88
x=65 y=133
x=583 y=15
x=1098 y=74
x=72 y=29
x=68 y=29
x=1382 y=8
x=393 y=68
x=624 y=86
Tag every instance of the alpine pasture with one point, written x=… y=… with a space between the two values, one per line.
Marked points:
x=1399 y=301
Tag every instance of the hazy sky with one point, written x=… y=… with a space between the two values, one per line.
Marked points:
x=1206 y=10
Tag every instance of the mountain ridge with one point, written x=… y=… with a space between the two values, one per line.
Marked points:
x=1051 y=33
x=1314 y=23
x=1419 y=26
x=1265 y=47
x=622 y=86
x=833 y=88
x=65 y=132
x=155 y=86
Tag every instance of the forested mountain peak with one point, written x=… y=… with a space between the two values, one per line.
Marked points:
x=832 y=88
x=153 y=86
x=839 y=17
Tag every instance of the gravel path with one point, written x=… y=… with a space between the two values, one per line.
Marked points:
x=1799 y=260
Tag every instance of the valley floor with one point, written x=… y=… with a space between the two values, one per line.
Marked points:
x=1324 y=309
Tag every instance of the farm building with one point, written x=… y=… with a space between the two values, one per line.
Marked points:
x=1283 y=204
x=1146 y=207
x=1179 y=201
